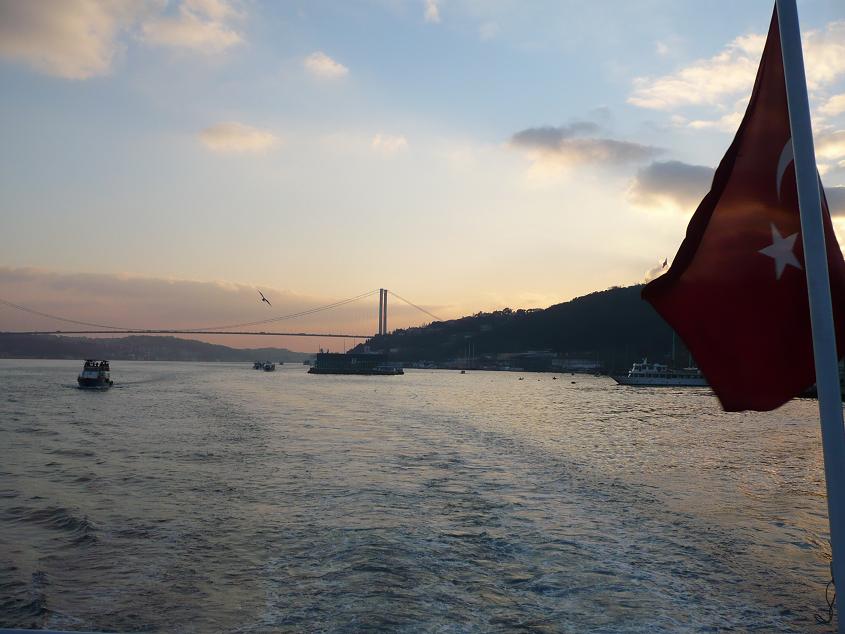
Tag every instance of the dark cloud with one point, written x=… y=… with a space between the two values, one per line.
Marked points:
x=674 y=182
x=550 y=137
x=835 y=200
x=149 y=302
x=684 y=185
x=575 y=143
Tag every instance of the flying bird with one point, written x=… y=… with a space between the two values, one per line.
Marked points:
x=264 y=299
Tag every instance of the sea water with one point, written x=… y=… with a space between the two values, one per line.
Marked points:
x=212 y=497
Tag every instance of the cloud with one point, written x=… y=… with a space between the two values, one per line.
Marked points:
x=201 y=25
x=656 y=271
x=833 y=106
x=135 y=302
x=824 y=54
x=551 y=137
x=835 y=200
x=234 y=137
x=80 y=39
x=321 y=65
x=71 y=39
x=567 y=145
x=432 y=11
x=731 y=72
x=389 y=144
x=704 y=81
x=670 y=184
x=726 y=123
x=831 y=145
x=681 y=187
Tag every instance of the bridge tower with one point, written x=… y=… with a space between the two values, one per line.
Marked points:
x=382 y=311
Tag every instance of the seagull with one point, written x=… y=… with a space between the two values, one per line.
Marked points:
x=264 y=299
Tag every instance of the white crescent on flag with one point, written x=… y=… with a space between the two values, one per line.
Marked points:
x=786 y=157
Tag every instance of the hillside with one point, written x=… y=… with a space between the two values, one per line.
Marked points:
x=135 y=347
x=614 y=327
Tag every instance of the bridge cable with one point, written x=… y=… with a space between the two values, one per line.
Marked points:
x=419 y=308
x=32 y=311
x=209 y=329
x=303 y=313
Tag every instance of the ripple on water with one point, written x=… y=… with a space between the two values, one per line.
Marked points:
x=72 y=453
x=34 y=431
x=23 y=602
x=201 y=499
x=78 y=531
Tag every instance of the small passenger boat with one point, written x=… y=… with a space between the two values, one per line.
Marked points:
x=95 y=375
x=269 y=367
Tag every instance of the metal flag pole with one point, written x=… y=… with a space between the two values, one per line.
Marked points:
x=818 y=289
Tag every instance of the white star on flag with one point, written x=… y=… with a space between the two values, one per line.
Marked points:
x=781 y=251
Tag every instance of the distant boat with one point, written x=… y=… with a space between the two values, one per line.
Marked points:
x=258 y=365
x=658 y=374
x=269 y=367
x=95 y=375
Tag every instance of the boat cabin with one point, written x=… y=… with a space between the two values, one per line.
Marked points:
x=99 y=366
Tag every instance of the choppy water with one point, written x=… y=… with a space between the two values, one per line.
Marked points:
x=211 y=497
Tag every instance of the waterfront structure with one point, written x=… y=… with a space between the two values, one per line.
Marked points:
x=340 y=363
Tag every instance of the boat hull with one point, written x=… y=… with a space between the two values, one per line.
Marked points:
x=94 y=384
x=358 y=371
x=661 y=381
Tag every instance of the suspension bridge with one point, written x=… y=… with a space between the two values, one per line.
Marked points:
x=224 y=329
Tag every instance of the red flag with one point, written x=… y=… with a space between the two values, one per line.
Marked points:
x=736 y=292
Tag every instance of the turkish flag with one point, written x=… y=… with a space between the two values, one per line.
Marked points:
x=736 y=292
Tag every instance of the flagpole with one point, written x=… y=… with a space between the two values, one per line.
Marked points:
x=818 y=289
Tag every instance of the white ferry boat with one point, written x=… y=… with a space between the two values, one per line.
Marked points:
x=658 y=374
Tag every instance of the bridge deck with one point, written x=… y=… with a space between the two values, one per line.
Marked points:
x=185 y=332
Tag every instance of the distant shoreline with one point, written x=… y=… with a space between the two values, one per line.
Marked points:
x=137 y=348
x=240 y=361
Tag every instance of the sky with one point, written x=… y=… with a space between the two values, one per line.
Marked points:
x=162 y=160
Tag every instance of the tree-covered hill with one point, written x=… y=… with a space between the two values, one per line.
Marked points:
x=152 y=348
x=614 y=327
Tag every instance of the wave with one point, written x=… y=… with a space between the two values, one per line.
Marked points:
x=23 y=604
x=73 y=453
x=79 y=529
